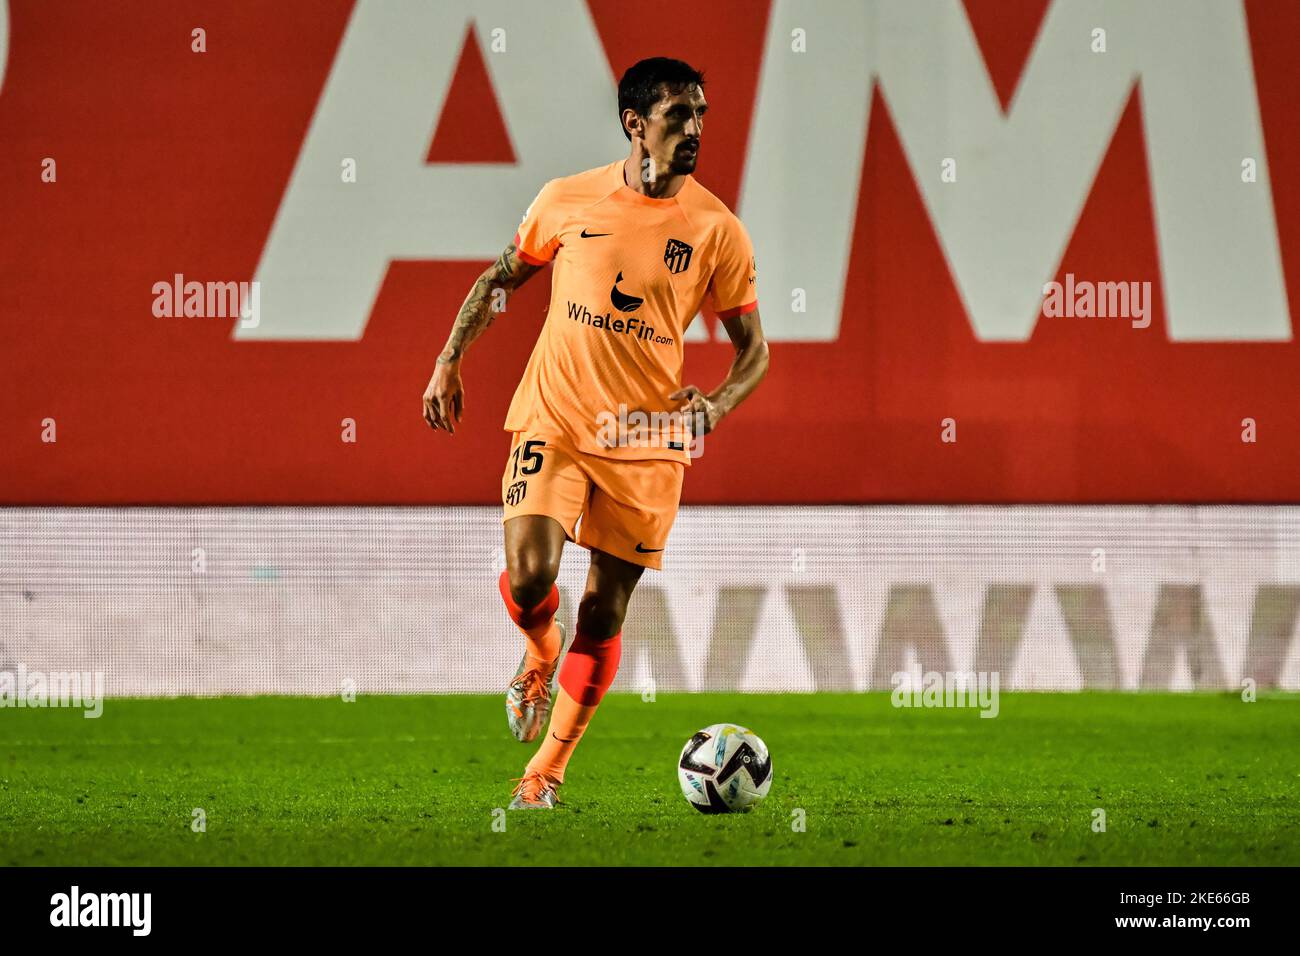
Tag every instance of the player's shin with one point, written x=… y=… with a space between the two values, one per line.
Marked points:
x=588 y=671
x=537 y=624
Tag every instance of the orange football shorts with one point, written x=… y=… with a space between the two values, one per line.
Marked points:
x=626 y=507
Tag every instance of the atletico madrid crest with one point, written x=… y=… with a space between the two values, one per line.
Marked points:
x=677 y=256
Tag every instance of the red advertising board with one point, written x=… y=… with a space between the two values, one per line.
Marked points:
x=170 y=161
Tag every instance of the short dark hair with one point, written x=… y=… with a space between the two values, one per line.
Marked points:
x=639 y=88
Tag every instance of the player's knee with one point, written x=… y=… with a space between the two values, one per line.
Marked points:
x=600 y=616
x=531 y=579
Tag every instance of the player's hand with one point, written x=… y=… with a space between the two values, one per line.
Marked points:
x=701 y=413
x=444 y=399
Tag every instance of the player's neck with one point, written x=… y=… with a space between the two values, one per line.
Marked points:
x=661 y=187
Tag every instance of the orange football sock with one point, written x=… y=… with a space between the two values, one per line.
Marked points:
x=543 y=648
x=588 y=670
x=569 y=721
x=538 y=625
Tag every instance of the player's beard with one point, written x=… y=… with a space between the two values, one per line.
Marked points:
x=683 y=162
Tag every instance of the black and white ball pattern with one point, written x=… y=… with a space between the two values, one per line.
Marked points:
x=724 y=768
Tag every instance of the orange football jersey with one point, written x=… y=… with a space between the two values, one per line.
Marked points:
x=630 y=273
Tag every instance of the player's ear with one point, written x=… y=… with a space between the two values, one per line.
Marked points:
x=633 y=123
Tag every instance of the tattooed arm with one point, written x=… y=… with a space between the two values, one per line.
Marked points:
x=444 y=399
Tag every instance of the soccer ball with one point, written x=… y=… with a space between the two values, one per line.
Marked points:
x=724 y=769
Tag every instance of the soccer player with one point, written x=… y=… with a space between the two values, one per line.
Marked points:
x=603 y=429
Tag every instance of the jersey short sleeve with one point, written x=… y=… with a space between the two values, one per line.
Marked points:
x=732 y=287
x=538 y=238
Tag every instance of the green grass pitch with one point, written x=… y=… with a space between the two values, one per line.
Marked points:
x=1183 y=779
